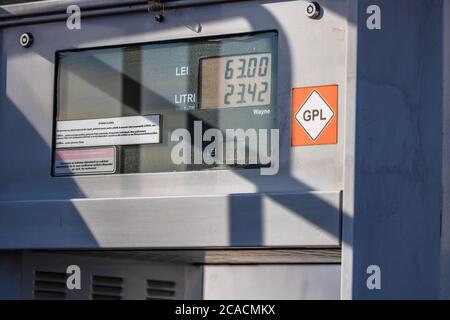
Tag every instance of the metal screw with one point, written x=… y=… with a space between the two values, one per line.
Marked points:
x=157 y=8
x=26 y=40
x=313 y=10
x=159 y=18
x=197 y=28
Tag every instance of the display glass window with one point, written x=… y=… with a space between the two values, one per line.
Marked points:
x=127 y=109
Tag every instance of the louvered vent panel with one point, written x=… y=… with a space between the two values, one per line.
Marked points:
x=49 y=285
x=160 y=290
x=106 y=288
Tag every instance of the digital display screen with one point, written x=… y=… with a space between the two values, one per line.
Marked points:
x=236 y=81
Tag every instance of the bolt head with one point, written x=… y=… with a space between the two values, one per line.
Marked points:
x=26 y=40
x=313 y=10
x=159 y=18
x=198 y=28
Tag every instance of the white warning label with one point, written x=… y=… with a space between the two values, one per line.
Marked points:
x=85 y=161
x=108 y=131
x=314 y=115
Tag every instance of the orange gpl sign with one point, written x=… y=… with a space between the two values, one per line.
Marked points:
x=314 y=115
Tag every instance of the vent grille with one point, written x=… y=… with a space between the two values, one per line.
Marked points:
x=160 y=290
x=106 y=288
x=49 y=285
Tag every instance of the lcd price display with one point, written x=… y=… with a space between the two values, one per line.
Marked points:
x=236 y=81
